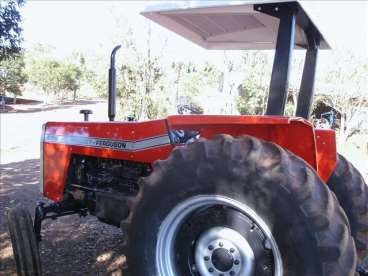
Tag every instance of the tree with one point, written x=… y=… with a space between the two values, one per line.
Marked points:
x=10 y=29
x=12 y=76
x=42 y=74
x=55 y=76
x=344 y=88
x=254 y=89
x=70 y=75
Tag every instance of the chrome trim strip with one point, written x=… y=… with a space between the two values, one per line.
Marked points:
x=115 y=144
x=42 y=157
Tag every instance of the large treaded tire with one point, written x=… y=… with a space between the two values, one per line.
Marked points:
x=310 y=229
x=352 y=192
x=25 y=247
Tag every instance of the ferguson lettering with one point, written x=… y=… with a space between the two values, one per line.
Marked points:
x=107 y=143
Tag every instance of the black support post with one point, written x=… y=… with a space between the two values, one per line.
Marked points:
x=306 y=92
x=281 y=66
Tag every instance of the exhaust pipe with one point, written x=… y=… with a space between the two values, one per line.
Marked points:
x=112 y=85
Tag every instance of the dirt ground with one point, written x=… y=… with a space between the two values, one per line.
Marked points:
x=71 y=245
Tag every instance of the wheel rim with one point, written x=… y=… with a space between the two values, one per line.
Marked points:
x=218 y=250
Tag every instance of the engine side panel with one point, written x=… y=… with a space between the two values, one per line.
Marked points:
x=137 y=141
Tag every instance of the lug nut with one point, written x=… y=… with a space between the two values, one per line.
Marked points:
x=210 y=247
x=221 y=244
x=236 y=262
x=232 y=272
x=232 y=250
x=267 y=244
x=211 y=270
x=206 y=258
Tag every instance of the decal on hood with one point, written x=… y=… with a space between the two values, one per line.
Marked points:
x=114 y=144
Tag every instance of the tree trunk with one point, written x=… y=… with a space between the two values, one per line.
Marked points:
x=74 y=95
x=15 y=99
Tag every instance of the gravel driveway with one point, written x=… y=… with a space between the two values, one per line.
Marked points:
x=71 y=245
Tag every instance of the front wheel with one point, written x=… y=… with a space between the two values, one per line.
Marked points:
x=237 y=207
x=23 y=238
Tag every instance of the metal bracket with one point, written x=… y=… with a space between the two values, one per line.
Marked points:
x=53 y=211
x=278 y=9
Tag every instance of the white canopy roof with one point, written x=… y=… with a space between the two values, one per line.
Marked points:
x=228 y=24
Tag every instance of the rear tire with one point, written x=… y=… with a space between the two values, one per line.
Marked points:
x=352 y=192
x=25 y=247
x=253 y=185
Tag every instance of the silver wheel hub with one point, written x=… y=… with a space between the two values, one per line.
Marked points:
x=223 y=251
x=218 y=250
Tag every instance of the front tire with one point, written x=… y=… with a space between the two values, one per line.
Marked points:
x=23 y=238
x=216 y=190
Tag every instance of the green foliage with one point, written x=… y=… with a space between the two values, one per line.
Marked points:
x=193 y=81
x=53 y=76
x=254 y=89
x=71 y=75
x=42 y=74
x=10 y=29
x=140 y=88
x=12 y=75
x=98 y=82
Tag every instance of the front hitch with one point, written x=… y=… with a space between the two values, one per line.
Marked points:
x=54 y=210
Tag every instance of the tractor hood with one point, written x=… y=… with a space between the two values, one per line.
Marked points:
x=234 y=25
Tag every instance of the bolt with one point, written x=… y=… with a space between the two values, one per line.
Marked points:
x=232 y=272
x=236 y=262
x=221 y=274
x=221 y=244
x=206 y=258
x=194 y=268
x=265 y=267
x=259 y=8
x=210 y=247
x=276 y=8
x=267 y=244
x=211 y=270
x=232 y=250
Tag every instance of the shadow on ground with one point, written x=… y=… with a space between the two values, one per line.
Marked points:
x=71 y=245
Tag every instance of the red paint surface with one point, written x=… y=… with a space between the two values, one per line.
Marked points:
x=326 y=152
x=294 y=134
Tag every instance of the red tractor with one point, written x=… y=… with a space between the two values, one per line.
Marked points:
x=212 y=195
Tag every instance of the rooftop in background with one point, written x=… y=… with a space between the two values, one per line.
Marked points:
x=233 y=25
